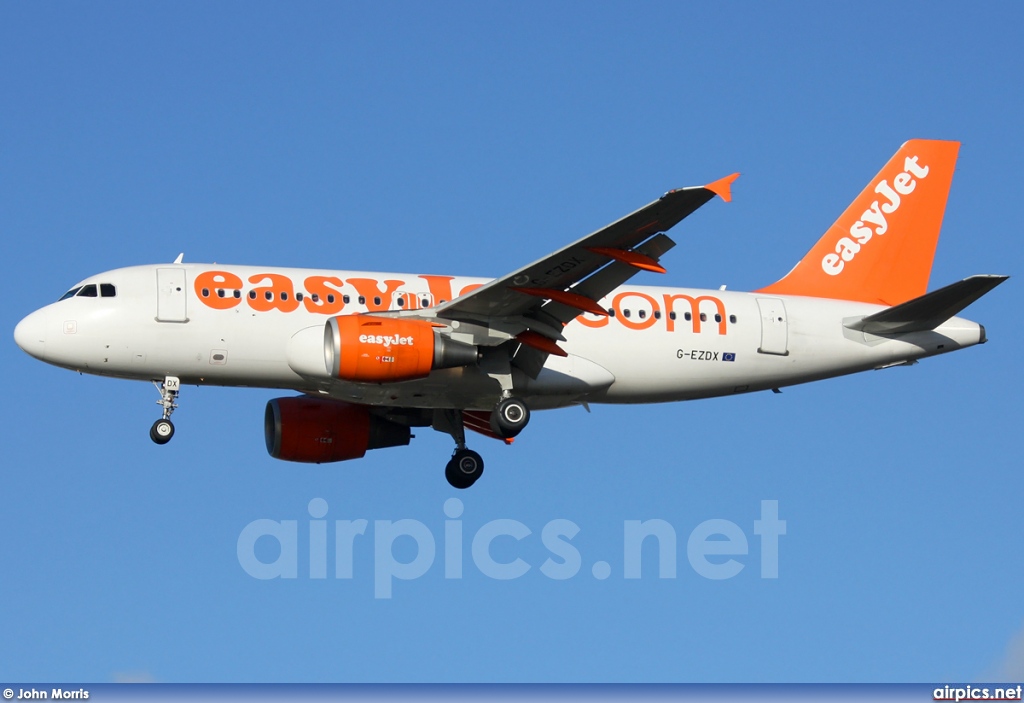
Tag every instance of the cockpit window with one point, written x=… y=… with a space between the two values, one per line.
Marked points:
x=70 y=294
x=88 y=291
x=107 y=290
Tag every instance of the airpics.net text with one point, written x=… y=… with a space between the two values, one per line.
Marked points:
x=715 y=549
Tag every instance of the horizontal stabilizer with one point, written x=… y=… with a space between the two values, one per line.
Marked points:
x=930 y=310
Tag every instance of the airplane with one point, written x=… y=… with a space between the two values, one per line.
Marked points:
x=374 y=355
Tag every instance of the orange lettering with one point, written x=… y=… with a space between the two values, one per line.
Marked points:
x=369 y=289
x=631 y=324
x=216 y=289
x=601 y=321
x=695 y=311
x=278 y=295
x=440 y=288
x=328 y=300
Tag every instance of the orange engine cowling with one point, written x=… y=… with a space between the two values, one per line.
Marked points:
x=317 y=430
x=370 y=349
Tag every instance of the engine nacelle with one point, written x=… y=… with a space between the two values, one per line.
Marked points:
x=370 y=349
x=317 y=430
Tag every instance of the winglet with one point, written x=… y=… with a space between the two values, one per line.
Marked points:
x=723 y=187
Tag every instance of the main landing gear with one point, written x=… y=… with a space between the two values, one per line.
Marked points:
x=509 y=417
x=464 y=468
x=163 y=429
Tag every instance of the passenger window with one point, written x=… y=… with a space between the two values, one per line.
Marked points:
x=687 y=316
x=220 y=292
x=315 y=298
x=70 y=294
x=625 y=313
x=703 y=317
x=657 y=314
x=330 y=297
x=376 y=300
x=611 y=312
x=107 y=290
x=345 y=299
x=88 y=291
x=642 y=314
x=362 y=300
x=238 y=293
x=672 y=315
x=252 y=295
x=732 y=319
x=205 y=292
x=269 y=295
x=284 y=296
x=299 y=296
x=718 y=318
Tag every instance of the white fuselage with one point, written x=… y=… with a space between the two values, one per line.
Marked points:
x=654 y=348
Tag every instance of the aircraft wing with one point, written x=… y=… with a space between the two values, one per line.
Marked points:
x=572 y=279
x=531 y=305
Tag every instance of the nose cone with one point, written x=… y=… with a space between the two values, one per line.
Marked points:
x=30 y=334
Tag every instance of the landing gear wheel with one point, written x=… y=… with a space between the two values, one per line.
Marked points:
x=509 y=418
x=161 y=431
x=465 y=467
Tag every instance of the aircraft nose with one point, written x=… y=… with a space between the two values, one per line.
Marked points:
x=30 y=334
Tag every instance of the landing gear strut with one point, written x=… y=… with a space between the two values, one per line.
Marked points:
x=163 y=429
x=465 y=466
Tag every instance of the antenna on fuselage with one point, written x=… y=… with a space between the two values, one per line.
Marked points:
x=180 y=256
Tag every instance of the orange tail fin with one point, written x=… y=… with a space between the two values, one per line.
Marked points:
x=881 y=249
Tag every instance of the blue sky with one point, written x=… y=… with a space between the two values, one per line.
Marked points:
x=470 y=139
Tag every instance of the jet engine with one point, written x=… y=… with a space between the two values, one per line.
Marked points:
x=369 y=349
x=317 y=430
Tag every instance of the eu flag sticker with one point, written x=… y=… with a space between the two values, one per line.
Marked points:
x=728 y=356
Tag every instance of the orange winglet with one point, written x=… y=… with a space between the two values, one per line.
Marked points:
x=723 y=187
x=573 y=300
x=633 y=258
x=540 y=342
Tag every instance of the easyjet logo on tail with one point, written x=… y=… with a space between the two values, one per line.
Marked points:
x=873 y=221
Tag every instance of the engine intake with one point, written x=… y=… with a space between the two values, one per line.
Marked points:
x=318 y=430
x=369 y=349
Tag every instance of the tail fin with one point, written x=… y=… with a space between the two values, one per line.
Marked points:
x=881 y=249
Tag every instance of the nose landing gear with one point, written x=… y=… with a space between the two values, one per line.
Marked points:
x=163 y=429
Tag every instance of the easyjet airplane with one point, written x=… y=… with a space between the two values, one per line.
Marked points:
x=377 y=354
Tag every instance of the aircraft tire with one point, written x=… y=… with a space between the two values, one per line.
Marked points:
x=509 y=418
x=161 y=431
x=464 y=469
